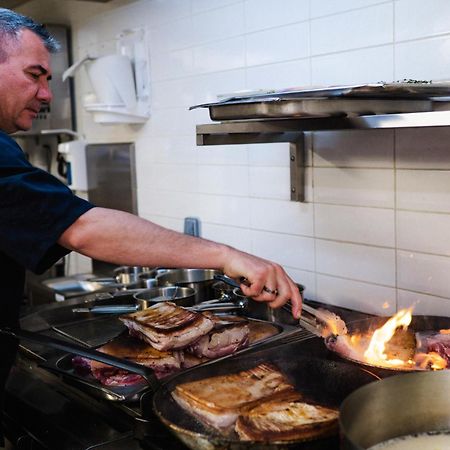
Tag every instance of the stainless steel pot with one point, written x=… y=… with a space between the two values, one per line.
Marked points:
x=396 y=406
x=181 y=295
x=201 y=280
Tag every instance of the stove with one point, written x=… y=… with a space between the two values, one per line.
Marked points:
x=46 y=410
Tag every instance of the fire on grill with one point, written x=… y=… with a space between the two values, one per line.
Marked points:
x=393 y=345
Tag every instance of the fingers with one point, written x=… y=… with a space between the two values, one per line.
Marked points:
x=265 y=281
x=276 y=288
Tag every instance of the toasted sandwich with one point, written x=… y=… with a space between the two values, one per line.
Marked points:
x=217 y=401
x=286 y=419
x=166 y=326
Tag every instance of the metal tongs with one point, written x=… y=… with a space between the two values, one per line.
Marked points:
x=321 y=322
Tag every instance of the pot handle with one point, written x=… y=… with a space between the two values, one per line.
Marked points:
x=86 y=352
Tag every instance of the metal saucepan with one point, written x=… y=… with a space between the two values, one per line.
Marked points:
x=397 y=406
x=201 y=280
x=323 y=381
x=367 y=326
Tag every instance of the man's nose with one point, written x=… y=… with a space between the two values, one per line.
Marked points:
x=44 y=93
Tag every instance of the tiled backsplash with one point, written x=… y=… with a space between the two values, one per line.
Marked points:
x=375 y=234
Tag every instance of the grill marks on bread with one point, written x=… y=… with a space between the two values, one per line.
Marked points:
x=286 y=419
x=259 y=404
x=166 y=326
x=218 y=400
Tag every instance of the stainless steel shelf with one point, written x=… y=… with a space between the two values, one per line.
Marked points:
x=292 y=130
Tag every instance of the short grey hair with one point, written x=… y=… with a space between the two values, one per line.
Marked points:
x=11 y=25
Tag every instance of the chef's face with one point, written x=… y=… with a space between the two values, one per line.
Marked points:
x=24 y=77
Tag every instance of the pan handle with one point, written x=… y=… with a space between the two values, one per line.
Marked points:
x=86 y=352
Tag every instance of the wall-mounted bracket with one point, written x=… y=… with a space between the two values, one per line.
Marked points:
x=297 y=165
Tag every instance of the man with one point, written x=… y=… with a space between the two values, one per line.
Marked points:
x=41 y=220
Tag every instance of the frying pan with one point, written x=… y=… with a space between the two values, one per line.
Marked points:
x=397 y=406
x=363 y=326
x=322 y=381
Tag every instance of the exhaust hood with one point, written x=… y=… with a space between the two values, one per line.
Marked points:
x=11 y=4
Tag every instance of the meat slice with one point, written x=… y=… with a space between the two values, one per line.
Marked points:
x=434 y=341
x=228 y=335
x=135 y=350
x=167 y=326
x=286 y=419
x=217 y=401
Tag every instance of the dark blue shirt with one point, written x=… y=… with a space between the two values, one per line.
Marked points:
x=35 y=209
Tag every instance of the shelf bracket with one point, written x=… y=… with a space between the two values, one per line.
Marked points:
x=297 y=166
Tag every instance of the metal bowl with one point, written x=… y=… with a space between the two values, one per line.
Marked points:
x=201 y=280
x=183 y=296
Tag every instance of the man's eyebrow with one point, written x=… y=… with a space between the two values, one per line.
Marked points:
x=41 y=69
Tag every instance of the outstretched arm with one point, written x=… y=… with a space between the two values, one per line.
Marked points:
x=125 y=239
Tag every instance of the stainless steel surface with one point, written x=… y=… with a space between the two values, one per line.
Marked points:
x=112 y=176
x=181 y=295
x=314 y=107
x=211 y=305
x=389 y=91
x=201 y=280
x=396 y=406
x=262 y=129
x=12 y=4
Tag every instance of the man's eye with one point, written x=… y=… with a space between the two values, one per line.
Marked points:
x=35 y=76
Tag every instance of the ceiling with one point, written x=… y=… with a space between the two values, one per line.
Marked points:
x=11 y=4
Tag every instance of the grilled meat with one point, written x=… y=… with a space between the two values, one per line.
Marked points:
x=434 y=341
x=286 y=419
x=228 y=335
x=217 y=401
x=135 y=350
x=167 y=326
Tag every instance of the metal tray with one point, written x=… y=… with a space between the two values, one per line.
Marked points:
x=274 y=108
x=62 y=365
x=360 y=99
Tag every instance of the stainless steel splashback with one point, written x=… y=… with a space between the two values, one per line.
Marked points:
x=111 y=172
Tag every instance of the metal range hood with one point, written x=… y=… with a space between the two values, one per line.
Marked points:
x=11 y=4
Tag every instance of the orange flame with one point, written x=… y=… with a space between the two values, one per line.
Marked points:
x=430 y=360
x=444 y=331
x=375 y=353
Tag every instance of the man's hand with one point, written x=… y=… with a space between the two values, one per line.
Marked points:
x=265 y=280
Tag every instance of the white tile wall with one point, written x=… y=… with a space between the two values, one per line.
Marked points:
x=365 y=27
x=352 y=186
x=373 y=226
x=375 y=234
x=356 y=262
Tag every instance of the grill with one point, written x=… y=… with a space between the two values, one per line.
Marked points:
x=47 y=406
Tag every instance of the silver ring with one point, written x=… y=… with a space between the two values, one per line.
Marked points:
x=270 y=291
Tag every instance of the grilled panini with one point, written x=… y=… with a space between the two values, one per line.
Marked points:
x=217 y=401
x=167 y=326
x=286 y=419
x=135 y=350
